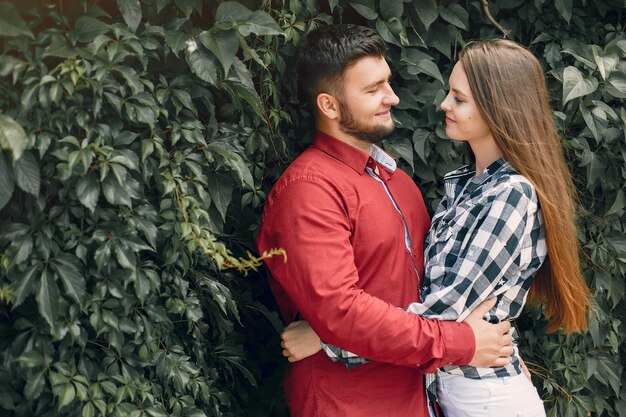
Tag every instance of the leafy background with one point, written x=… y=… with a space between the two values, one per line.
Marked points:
x=138 y=141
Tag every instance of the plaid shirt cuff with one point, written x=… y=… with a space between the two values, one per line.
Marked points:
x=349 y=359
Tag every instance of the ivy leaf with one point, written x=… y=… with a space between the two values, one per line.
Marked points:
x=201 y=63
x=400 y=149
x=6 y=185
x=224 y=45
x=114 y=193
x=455 y=14
x=618 y=205
x=12 y=136
x=34 y=386
x=365 y=8
x=87 y=28
x=131 y=12
x=220 y=192
x=48 y=299
x=595 y=119
x=391 y=8
x=617 y=84
x=420 y=140
x=605 y=63
x=25 y=284
x=68 y=269
x=386 y=34
x=231 y=10
x=426 y=66
x=176 y=40
x=564 y=8
x=88 y=191
x=260 y=23
x=575 y=85
x=11 y=23
x=27 y=173
x=427 y=11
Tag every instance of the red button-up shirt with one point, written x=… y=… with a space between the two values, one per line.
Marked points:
x=349 y=273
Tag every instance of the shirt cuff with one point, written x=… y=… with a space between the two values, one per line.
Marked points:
x=459 y=343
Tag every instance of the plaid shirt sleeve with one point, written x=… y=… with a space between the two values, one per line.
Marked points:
x=490 y=249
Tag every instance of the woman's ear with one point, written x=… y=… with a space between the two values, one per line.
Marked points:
x=328 y=106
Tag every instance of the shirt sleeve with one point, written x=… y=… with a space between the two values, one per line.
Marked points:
x=321 y=279
x=485 y=266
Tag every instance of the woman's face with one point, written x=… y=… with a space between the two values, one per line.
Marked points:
x=463 y=120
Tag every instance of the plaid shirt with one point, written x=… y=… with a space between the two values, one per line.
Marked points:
x=486 y=240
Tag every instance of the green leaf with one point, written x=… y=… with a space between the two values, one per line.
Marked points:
x=110 y=318
x=87 y=28
x=249 y=95
x=420 y=140
x=575 y=85
x=386 y=34
x=231 y=10
x=260 y=23
x=142 y=286
x=427 y=11
x=220 y=191
x=401 y=149
x=224 y=45
x=426 y=66
x=11 y=23
x=68 y=268
x=67 y=395
x=595 y=119
x=176 y=40
x=564 y=8
x=27 y=173
x=391 y=8
x=156 y=411
x=618 y=205
x=364 y=8
x=34 y=386
x=605 y=63
x=6 y=185
x=201 y=63
x=12 y=136
x=25 y=285
x=455 y=14
x=234 y=161
x=617 y=84
x=31 y=359
x=131 y=12
x=88 y=191
x=114 y=193
x=48 y=299
x=88 y=410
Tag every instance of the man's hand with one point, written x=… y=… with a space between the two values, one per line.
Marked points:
x=494 y=344
x=299 y=341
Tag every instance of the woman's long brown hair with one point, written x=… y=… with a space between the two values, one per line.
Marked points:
x=509 y=87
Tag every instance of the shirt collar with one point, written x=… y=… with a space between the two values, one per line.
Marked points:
x=351 y=156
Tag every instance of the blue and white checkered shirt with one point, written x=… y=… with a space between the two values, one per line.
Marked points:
x=486 y=240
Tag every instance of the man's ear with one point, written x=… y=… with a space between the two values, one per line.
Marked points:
x=328 y=106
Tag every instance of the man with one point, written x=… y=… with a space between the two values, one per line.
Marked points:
x=353 y=227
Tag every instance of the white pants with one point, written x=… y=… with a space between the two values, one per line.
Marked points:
x=513 y=396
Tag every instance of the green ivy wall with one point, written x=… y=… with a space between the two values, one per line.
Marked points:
x=138 y=141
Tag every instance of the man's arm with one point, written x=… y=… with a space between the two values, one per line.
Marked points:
x=309 y=222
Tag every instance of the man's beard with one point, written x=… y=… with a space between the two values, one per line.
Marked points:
x=349 y=125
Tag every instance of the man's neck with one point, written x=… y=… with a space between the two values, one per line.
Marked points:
x=361 y=144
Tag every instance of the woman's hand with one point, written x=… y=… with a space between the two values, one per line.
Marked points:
x=299 y=341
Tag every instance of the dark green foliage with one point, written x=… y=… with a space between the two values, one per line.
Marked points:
x=138 y=141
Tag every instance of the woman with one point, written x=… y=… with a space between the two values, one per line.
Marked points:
x=506 y=221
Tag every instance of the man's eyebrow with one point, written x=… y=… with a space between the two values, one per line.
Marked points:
x=375 y=83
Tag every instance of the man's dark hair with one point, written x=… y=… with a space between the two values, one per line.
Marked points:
x=326 y=52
